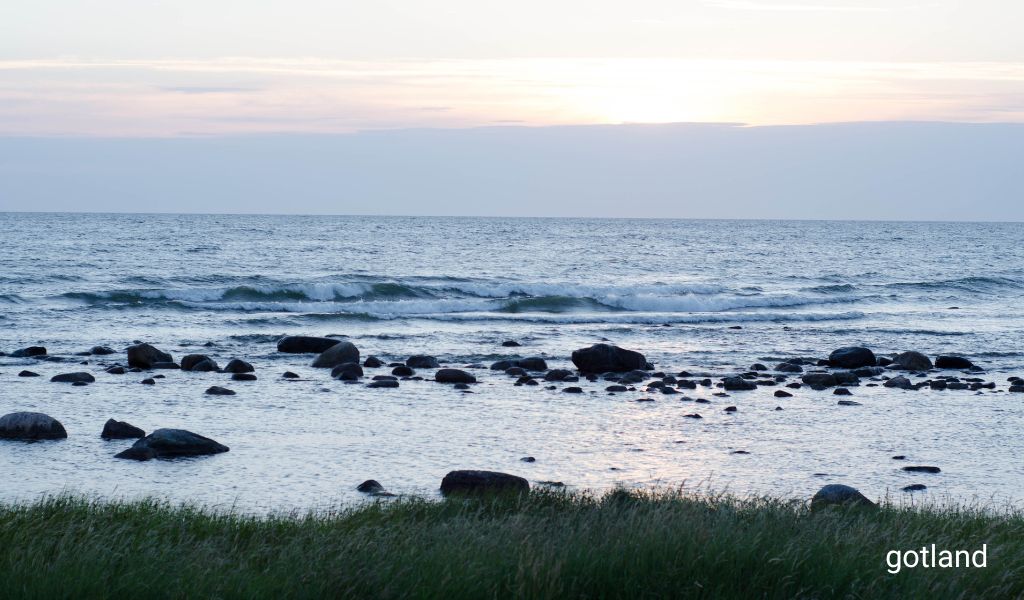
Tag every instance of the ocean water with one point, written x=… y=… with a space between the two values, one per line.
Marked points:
x=708 y=297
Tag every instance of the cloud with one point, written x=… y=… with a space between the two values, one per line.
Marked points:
x=813 y=7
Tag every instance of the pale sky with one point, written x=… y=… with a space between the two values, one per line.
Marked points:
x=145 y=68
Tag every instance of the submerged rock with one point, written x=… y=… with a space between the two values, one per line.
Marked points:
x=119 y=430
x=601 y=358
x=304 y=344
x=453 y=376
x=28 y=374
x=80 y=377
x=347 y=372
x=238 y=366
x=372 y=362
x=820 y=379
x=738 y=384
x=144 y=356
x=483 y=482
x=852 y=357
x=101 y=350
x=403 y=371
x=29 y=352
x=898 y=382
x=31 y=426
x=912 y=361
x=198 y=362
x=338 y=354
x=422 y=361
x=216 y=390
x=922 y=469
x=947 y=361
x=840 y=495
x=172 y=443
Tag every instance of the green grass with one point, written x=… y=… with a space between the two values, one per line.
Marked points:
x=545 y=545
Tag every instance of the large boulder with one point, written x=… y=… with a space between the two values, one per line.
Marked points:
x=912 y=361
x=238 y=366
x=119 y=430
x=602 y=358
x=947 y=361
x=482 y=482
x=837 y=494
x=852 y=357
x=304 y=344
x=340 y=353
x=172 y=443
x=31 y=426
x=144 y=356
x=80 y=377
x=453 y=376
x=422 y=361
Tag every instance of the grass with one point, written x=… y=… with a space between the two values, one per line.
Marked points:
x=545 y=545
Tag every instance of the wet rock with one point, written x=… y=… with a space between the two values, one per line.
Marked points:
x=80 y=377
x=915 y=487
x=820 y=379
x=738 y=384
x=28 y=374
x=867 y=372
x=238 y=366
x=289 y=375
x=511 y=344
x=144 y=356
x=372 y=362
x=216 y=390
x=938 y=384
x=101 y=350
x=573 y=390
x=840 y=495
x=841 y=392
x=29 y=352
x=1016 y=388
x=788 y=368
x=515 y=371
x=164 y=365
x=243 y=377
x=403 y=371
x=119 y=430
x=340 y=353
x=116 y=370
x=148 y=381
x=730 y=409
x=303 y=344
x=898 y=382
x=172 y=443
x=557 y=374
x=531 y=363
x=482 y=482
x=847 y=403
x=453 y=376
x=189 y=362
x=347 y=372
x=921 y=469
x=852 y=357
x=600 y=358
x=899 y=457
x=912 y=361
x=758 y=367
x=782 y=394
x=422 y=361
x=370 y=486
x=692 y=416
x=948 y=361
x=383 y=383
x=31 y=426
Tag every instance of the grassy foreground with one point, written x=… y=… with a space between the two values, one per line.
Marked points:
x=546 y=545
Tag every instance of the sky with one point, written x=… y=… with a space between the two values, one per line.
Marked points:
x=268 y=69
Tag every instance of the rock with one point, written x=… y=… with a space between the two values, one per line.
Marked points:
x=383 y=383
x=600 y=358
x=511 y=344
x=172 y=443
x=31 y=426
x=144 y=356
x=947 y=361
x=922 y=469
x=557 y=374
x=788 y=368
x=338 y=354
x=101 y=350
x=758 y=367
x=347 y=372
x=482 y=482
x=692 y=416
x=820 y=379
x=403 y=371
x=372 y=362
x=29 y=352
x=148 y=381
x=841 y=392
x=422 y=361
x=453 y=376
x=238 y=366
x=190 y=361
x=867 y=372
x=370 y=486
x=243 y=377
x=116 y=370
x=915 y=487
x=303 y=344
x=898 y=382
x=738 y=384
x=28 y=374
x=164 y=365
x=216 y=390
x=616 y=388
x=289 y=375
x=846 y=378
x=852 y=357
x=119 y=430
x=782 y=394
x=528 y=459
x=573 y=390
x=840 y=495
x=1016 y=388
x=73 y=378
x=848 y=403
x=730 y=409
x=912 y=361
x=531 y=363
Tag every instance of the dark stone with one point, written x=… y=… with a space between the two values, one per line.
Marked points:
x=28 y=374
x=758 y=367
x=303 y=344
x=515 y=371
x=289 y=375
x=532 y=363
x=600 y=358
x=370 y=486
x=482 y=482
x=947 y=361
x=207 y=365
x=422 y=361
x=403 y=371
x=372 y=362
x=172 y=443
x=101 y=350
x=238 y=366
x=730 y=409
x=80 y=377
x=840 y=495
x=148 y=381
x=867 y=371
x=846 y=378
x=692 y=416
x=216 y=390
x=528 y=459
x=340 y=353
x=29 y=352
x=243 y=377
x=573 y=390
x=116 y=370
x=453 y=376
x=347 y=372
x=165 y=365
x=190 y=361
x=922 y=469
x=557 y=374
x=852 y=357
x=383 y=383
x=31 y=426
x=912 y=361
x=119 y=430
x=788 y=368
x=511 y=344
x=782 y=394
x=915 y=487
x=898 y=382
x=848 y=403
x=841 y=392
x=738 y=384
x=144 y=356
x=820 y=379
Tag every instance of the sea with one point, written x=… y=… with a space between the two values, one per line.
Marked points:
x=708 y=297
